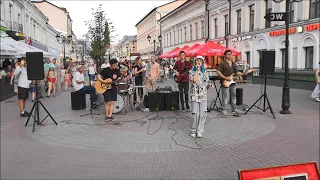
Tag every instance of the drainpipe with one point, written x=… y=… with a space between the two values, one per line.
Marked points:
x=229 y=24
x=207 y=20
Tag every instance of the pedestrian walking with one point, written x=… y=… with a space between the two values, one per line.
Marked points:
x=315 y=94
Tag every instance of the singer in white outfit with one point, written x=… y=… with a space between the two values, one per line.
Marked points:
x=199 y=85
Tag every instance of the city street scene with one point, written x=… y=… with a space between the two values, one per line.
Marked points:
x=170 y=89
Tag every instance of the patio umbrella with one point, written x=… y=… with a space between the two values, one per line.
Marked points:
x=213 y=49
x=176 y=54
x=174 y=51
x=191 y=50
x=165 y=55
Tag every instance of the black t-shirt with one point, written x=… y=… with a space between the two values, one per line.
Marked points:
x=114 y=74
x=138 y=78
x=226 y=69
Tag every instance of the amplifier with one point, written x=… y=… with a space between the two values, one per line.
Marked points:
x=163 y=101
x=156 y=101
x=171 y=101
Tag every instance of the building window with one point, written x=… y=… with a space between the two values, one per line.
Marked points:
x=268 y=10
x=202 y=29
x=283 y=58
x=2 y=11
x=185 y=34
x=215 y=28
x=251 y=19
x=190 y=32
x=180 y=35
x=239 y=22
x=19 y=22
x=309 y=57
x=291 y=12
x=197 y=32
x=10 y=15
x=170 y=42
x=226 y=25
x=248 y=57
x=314 y=9
x=174 y=37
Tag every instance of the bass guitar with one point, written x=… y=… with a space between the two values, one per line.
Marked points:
x=102 y=87
x=227 y=83
x=178 y=79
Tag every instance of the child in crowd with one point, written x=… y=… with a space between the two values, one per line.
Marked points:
x=62 y=72
x=33 y=90
x=52 y=81
x=166 y=72
x=67 y=80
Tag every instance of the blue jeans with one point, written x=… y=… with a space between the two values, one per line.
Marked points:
x=89 y=90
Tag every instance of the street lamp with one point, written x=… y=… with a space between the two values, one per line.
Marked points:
x=64 y=40
x=154 y=42
x=286 y=87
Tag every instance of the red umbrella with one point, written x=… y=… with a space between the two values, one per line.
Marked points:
x=213 y=49
x=169 y=55
x=234 y=52
x=192 y=49
x=177 y=53
x=165 y=55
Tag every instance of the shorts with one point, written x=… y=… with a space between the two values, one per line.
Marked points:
x=32 y=89
x=140 y=90
x=110 y=95
x=23 y=93
x=92 y=77
x=53 y=80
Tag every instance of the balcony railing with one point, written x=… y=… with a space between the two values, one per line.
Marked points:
x=14 y=26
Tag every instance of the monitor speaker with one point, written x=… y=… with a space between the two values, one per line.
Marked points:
x=156 y=101
x=35 y=68
x=171 y=101
x=267 y=62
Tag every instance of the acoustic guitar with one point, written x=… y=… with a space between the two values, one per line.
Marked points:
x=226 y=83
x=102 y=87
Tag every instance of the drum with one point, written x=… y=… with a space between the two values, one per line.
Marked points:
x=118 y=105
x=123 y=87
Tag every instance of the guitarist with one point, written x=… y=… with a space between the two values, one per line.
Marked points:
x=108 y=75
x=181 y=66
x=225 y=70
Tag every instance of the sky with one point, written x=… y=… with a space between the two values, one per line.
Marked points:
x=124 y=15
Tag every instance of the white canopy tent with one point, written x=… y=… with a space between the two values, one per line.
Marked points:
x=7 y=50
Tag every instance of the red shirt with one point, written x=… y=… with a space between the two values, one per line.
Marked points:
x=182 y=67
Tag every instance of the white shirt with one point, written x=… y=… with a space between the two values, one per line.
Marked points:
x=104 y=65
x=91 y=70
x=77 y=77
x=21 y=73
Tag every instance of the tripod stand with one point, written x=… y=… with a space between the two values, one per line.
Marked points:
x=35 y=109
x=265 y=97
x=91 y=112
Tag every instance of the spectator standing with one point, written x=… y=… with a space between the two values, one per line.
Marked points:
x=23 y=86
x=105 y=64
x=315 y=94
x=92 y=73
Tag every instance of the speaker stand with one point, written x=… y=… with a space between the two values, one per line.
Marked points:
x=265 y=98
x=35 y=110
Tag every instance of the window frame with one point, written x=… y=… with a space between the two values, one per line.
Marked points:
x=216 y=28
x=239 y=21
x=226 y=24
x=251 y=17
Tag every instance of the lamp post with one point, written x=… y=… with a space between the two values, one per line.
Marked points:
x=154 y=42
x=64 y=40
x=286 y=87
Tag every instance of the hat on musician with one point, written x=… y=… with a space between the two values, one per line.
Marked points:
x=200 y=57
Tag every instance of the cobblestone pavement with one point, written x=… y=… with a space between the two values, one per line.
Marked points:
x=147 y=145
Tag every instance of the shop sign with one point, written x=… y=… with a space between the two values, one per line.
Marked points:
x=312 y=27
x=282 y=32
x=220 y=42
x=242 y=38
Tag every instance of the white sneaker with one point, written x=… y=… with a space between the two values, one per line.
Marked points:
x=224 y=113
x=236 y=111
x=318 y=99
x=193 y=134
x=199 y=135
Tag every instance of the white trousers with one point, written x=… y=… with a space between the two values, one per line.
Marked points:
x=316 y=91
x=199 y=113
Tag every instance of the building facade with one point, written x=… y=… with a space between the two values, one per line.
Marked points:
x=149 y=26
x=127 y=46
x=184 y=26
x=251 y=33
x=83 y=49
x=60 y=20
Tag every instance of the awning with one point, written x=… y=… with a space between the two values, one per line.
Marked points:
x=165 y=55
x=7 y=50
x=176 y=54
x=211 y=49
x=23 y=47
x=192 y=49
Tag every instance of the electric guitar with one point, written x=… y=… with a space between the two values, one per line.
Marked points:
x=226 y=83
x=102 y=87
x=178 y=79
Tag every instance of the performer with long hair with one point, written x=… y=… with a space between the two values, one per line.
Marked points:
x=199 y=85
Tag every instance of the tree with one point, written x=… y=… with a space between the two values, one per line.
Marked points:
x=98 y=34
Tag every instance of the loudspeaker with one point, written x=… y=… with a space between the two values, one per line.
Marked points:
x=239 y=95
x=267 y=62
x=35 y=68
x=78 y=101
x=156 y=101
x=171 y=101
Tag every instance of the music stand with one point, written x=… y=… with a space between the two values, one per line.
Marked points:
x=91 y=112
x=265 y=97
x=214 y=102
x=35 y=109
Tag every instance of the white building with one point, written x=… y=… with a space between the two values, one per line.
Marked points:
x=53 y=45
x=250 y=32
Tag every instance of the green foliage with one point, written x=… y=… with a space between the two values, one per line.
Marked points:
x=98 y=33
